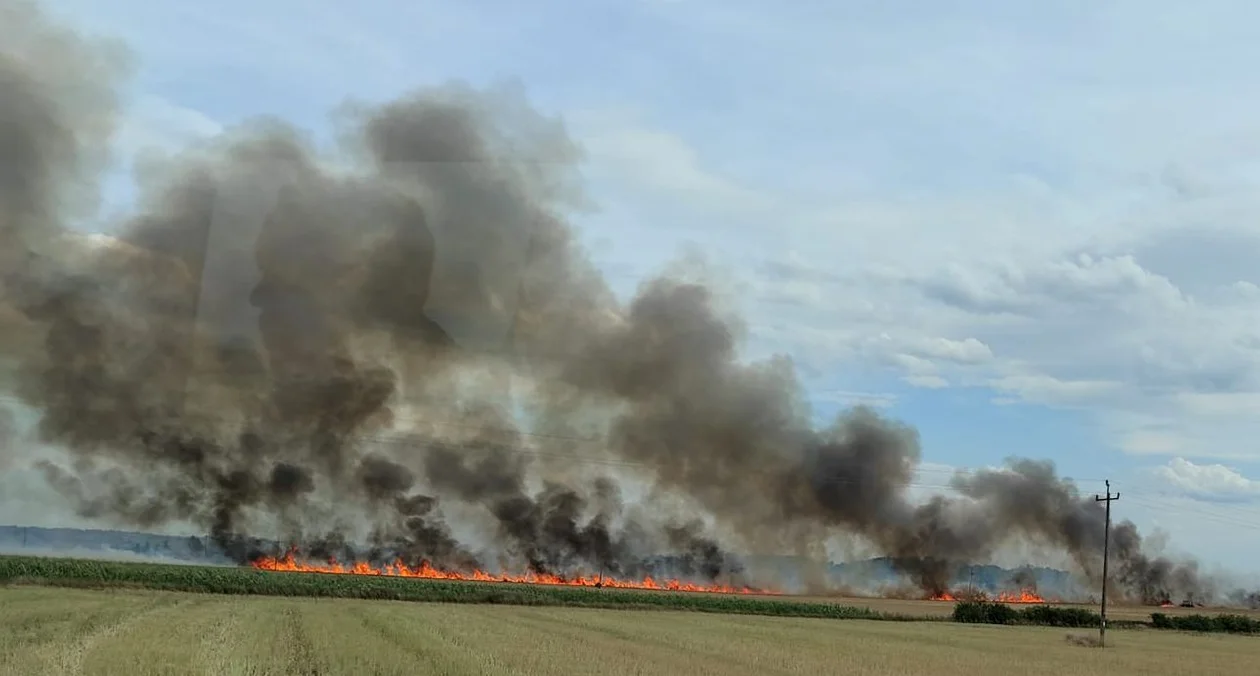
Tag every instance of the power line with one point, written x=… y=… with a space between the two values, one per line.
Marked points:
x=1223 y=519
x=1108 y=498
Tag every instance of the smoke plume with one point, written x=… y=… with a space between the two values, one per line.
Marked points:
x=399 y=344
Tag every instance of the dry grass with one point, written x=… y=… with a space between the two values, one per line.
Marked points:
x=1084 y=640
x=70 y=631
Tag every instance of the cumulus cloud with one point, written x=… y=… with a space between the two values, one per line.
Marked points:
x=1208 y=482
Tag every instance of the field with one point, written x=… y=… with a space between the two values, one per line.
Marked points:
x=78 y=631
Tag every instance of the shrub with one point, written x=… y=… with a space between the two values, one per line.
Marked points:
x=983 y=612
x=1053 y=616
x=1194 y=623
x=1237 y=624
x=1229 y=624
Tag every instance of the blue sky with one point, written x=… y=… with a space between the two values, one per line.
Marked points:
x=1026 y=228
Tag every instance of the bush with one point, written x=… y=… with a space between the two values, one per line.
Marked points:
x=983 y=612
x=1237 y=624
x=1227 y=624
x=1053 y=616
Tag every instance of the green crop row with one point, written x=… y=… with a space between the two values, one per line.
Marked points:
x=233 y=580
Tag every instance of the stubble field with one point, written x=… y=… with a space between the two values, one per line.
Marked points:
x=77 y=631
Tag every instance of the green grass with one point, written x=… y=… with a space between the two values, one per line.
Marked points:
x=247 y=581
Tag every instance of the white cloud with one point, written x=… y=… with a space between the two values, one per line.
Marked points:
x=1220 y=403
x=849 y=398
x=1045 y=389
x=929 y=382
x=966 y=351
x=639 y=156
x=1151 y=442
x=1212 y=483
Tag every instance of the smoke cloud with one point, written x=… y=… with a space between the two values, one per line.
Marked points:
x=399 y=343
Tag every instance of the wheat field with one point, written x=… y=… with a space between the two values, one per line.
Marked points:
x=68 y=631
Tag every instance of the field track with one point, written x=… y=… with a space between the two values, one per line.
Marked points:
x=143 y=633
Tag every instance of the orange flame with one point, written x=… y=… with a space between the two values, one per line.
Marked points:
x=425 y=571
x=1022 y=596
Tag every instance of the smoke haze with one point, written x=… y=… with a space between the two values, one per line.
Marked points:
x=400 y=344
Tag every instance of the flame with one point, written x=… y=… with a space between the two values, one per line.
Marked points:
x=290 y=564
x=1022 y=596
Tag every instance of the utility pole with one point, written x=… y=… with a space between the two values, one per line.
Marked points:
x=1108 y=498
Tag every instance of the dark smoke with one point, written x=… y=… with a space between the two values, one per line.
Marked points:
x=1024 y=579
x=341 y=348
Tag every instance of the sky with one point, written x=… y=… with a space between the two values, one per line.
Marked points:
x=1027 y=229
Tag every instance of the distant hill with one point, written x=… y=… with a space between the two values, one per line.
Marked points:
x=870 y=574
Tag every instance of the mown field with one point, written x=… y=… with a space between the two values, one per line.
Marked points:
x=140 y=632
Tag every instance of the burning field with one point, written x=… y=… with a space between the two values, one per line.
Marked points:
x=425 y=571
x=1022 y=596
x=395 y=353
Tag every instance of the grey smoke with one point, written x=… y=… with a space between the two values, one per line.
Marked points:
x=344 y=345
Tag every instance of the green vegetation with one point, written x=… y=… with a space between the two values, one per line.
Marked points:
x=1225 y=624
x=247 y=581
x=147 y=633
x=1055 y=616
x=983 y=612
